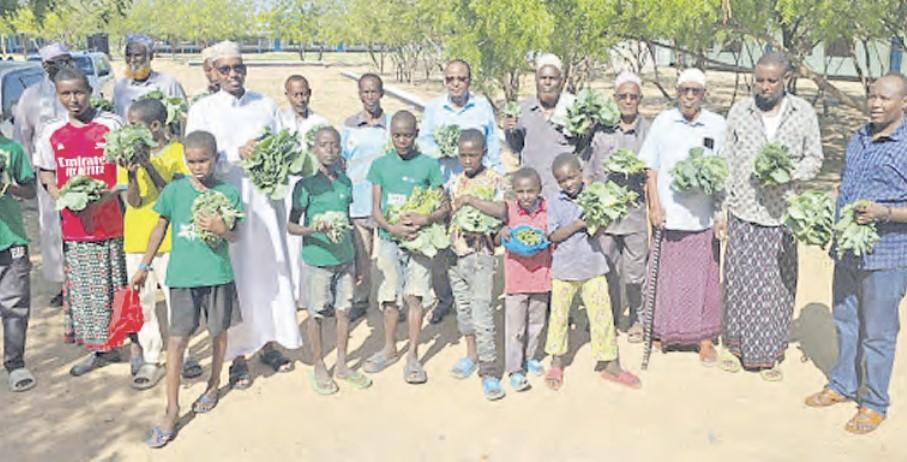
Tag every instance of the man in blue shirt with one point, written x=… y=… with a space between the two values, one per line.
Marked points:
x=461 y=108
x=867 y=289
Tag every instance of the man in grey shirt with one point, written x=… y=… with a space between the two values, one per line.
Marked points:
x=625 y=243
x=140 y=78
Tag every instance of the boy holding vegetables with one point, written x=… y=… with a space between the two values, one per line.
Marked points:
x=475 y=194
x=328 y=253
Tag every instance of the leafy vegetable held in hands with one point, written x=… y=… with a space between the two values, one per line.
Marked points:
x=604 y=203
x=469 y=219
x=430 y=238
x=175 y=105
x=125 y=145
x=79 y=191
x=624 y=162
x=852 y=236
x=275 y=157
x=100 y=104
x=310 y=136
x=700 y=170
x=447 y=137
x=213 y=203
x=588 y=111
x=773 y=165
x=336 y=224
x=810 y=217
x=511 y=109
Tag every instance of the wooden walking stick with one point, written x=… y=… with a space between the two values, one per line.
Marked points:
x=649 y=305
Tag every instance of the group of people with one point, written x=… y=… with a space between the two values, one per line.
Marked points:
x=278 y=257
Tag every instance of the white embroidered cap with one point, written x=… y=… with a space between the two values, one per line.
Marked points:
x=691 y=75
x=548 y=59
x=225 y=49
x=627 y=77
x=52 y=50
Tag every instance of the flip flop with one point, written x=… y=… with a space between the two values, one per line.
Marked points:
x=554 y=378
x=826 y=397
x=865 y=421
x=772 y=375
x=191 y=369
x=147 y=376
x=277 y=361
x=729 y=363
x=159 y=438
x=356 y=379
x=463 y=368
x=21 y=380
x=378 y=362
x=239 y=376
x=625 y=378
x=205 y=403
x=414 y=374
x=136 y=363
x=322 y=387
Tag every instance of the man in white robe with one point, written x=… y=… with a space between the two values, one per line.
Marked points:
x=140 y=79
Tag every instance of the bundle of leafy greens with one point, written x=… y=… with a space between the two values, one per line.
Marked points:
x=310 y=136
x=511 y=109
x=275 y=157
x=447 y=137
x=100 y=104
x=336 y=224
x=700 y=170
x=430 y=238
x=810 y=217
x=176 y=106
x=624 y=162
x=588 y=111
x=125 y=145
x=773 y=165
x=213 y=203
x=469 y=219
x=529 y=237
x=79 y=191
x=852 y=236
x=604 y=203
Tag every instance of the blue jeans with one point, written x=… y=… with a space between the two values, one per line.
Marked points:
x=866 y=319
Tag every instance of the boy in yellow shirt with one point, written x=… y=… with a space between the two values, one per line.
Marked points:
x=143 y=182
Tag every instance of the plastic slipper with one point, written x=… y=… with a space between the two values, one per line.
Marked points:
x=147 y=376
x=463 y=368
x=356 y=379
x=728 y=362
x=865 y=421
x=239 y=376
x=535 y=367
x=491 y=387
x=159 y=438
x=518 y=382
x=554 y=378
x=92 y=362
x=21 y=380
x=323 y=387
x=205 y=403
x=625 y=378
x=277 y=361
x=414 y=374
x=191 y=369
x=772 y=375
x=378 y=362
x=136 y=363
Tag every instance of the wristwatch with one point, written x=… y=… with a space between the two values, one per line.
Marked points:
x=145 y=268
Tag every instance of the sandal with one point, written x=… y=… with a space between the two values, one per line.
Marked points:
x=826 y=397
x=772 y=375
x=277 y=361
x=729 y=363
x=378 y=362
x=21 y=380
x=463 y=368
x=147 y=376
x=356 y=379
x=554 y=378
x=239 y=376
x=535 y=367
x=159 y=438
x=414 y=374
x=708 y=360
x=491 y=388
x=625 y=378
x=865 y=421
x=135 y=364
x=518 y=382
x=205 y=403
x=323 y=387
x=191 y=369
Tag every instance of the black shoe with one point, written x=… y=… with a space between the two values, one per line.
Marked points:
x=57 y=301
x=437 y=315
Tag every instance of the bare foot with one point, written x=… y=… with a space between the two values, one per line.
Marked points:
x=707 y=353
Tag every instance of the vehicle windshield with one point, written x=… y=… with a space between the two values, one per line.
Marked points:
x=84 y=63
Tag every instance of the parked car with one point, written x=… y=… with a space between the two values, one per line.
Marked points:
x=97 y=67
x=15 y=77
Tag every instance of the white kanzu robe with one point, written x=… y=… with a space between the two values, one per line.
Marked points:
x=261 y=260
x=37 y=107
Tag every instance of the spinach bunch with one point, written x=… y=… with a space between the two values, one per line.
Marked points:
x=100 y=104
x=79 y=191
x=275 y=157
x=447 y=138
x=625 y=162
x=588 y=111
x=604 y=203
x=336 y=223
x=773 y=165
x=852 y=236
x=810 y=217
x=706 y=172
x=126 y=145
x=469 y=219
x=430 y=238
x=213 y=203
x=176 y=106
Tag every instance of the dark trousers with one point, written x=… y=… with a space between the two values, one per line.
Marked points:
x=15 y=303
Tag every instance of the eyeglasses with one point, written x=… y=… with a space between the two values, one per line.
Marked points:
x=238 y=68
x=458 y=78
x=692 y=90
x=628 y=96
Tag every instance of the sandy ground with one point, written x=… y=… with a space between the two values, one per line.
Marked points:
x=683 y=412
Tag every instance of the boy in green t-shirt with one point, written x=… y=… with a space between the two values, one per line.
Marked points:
x=201 y=278
x=17 y=179
x=328 y=253
x=407 y=275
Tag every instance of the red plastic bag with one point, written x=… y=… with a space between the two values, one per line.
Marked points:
x=126 y=318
